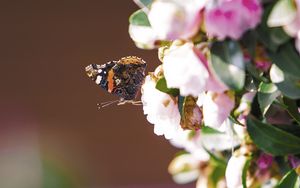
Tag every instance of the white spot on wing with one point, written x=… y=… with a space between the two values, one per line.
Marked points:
x=99 y=71
x=98 y=79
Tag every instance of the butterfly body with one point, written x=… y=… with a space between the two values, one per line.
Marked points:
x=122 y=78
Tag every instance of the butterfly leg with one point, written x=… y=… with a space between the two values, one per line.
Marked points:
x=122 y=102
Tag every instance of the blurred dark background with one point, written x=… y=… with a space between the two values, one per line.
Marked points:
x=51 y=132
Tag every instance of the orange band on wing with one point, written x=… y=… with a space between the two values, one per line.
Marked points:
x=110 y=80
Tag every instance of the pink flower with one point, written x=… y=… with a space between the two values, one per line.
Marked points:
x=294 y=161
x=175 y=19
x=264 y=161
x=231 y=18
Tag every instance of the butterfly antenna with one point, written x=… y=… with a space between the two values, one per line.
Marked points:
x=137 y=103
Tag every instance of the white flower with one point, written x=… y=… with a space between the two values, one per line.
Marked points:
x=143 y=36
x=226 y=139
x=184 y=168
x=184 y=69
x=216 y=108
x=191 y=144
x=175 y=19
x=161 y=110
x=234 y=171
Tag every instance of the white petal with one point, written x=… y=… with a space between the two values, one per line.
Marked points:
x=184 y=69
x=166 y=118
x=216 y=109
x=234 y=171
x=143 y=36
x=276 y=74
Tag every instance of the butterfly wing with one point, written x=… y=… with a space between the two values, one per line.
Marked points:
x=122 y=78
x=99 y=73
x=129 y=74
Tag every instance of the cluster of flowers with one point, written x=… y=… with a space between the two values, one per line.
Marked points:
x=228 y=88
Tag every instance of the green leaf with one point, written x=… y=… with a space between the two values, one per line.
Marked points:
x=273 y=37
x=217 y=161
x=209 y=130
x=139 y=18
x=145 y=2
x=267 y=93
x=292 y=109
x=235 y=121
x=161 y=85
x=216 y=175
x=289 y=180
x=287 y=59
x=228 y=63
x=271 y=139
x=289 y=85
x=244 y=173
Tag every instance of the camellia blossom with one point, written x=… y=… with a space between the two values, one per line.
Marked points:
x=161 y=109
x=294 y=161
x=216 y=108
x=175 y=19
x=231 y=18
x=184 y=69
x=264 y=161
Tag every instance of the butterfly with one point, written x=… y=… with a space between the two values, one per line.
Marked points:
x=123 y=78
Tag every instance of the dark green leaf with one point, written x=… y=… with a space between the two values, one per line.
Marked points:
x=273 y=37
x=161 y=85
x=228 y=63
x=289 y=180
x=249 y=42
x=180 y=104
x=271 y=139
x=289 y=85
x=267 y=93
x=283 y=164
x=139 y=18
x=255 y=109
x=244 y=173
x=290 y=128
x=287 y=59
x=292 y=109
